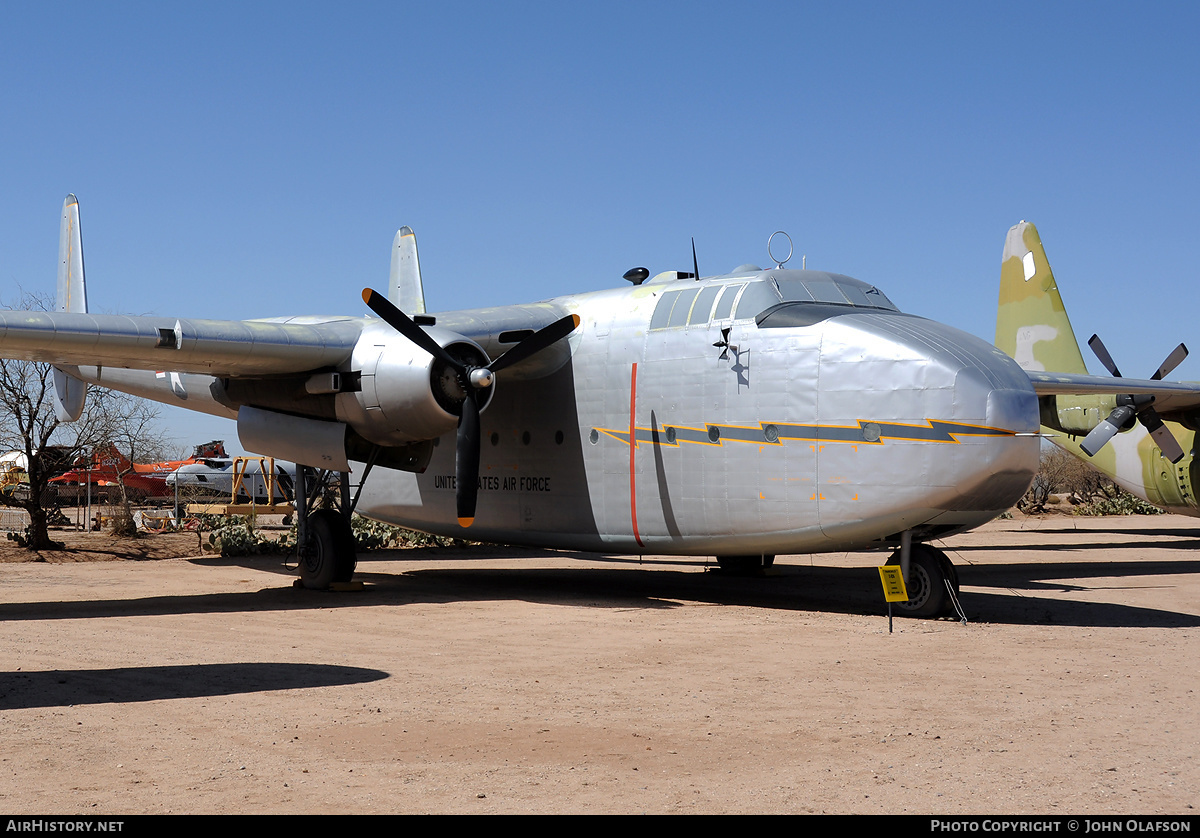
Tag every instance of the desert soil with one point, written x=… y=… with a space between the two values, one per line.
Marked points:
x=494 y=680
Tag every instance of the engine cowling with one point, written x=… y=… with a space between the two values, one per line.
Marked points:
x=406 y=394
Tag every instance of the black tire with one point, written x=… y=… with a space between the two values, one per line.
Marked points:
x=948 y=568
x=926 y=582
x=744 y=565
x=329 y=555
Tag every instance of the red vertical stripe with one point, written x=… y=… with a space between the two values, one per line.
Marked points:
x=632 y=447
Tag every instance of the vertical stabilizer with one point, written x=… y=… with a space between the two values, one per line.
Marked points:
x=404 y=287
x=72 y=293
x=1031 y=321
x=69 y=391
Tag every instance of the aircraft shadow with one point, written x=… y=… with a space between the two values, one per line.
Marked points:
x=1189 y=532
x=62 y=687
x=1192 y=544
x=796 y=588
x=854 y=590
x=1051 y=576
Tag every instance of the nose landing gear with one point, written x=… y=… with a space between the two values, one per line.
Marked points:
x=929 y=570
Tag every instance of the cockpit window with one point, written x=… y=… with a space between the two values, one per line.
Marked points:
x=793 y=290
x=758 y=296
x=739 y=301
x=878 y=298
x=832 y=288
x=825 y=290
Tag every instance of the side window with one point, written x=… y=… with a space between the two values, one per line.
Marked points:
x=683 y=305
x=702 y=308
x=662 y=312
x=725 y=304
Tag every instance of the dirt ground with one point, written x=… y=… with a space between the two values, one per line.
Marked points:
x=490 y=680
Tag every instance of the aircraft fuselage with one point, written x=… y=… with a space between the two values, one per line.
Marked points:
x=810 y=426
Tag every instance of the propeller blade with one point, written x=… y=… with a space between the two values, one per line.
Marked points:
x=466 y=467
x=1097 y=346
x=1106 y=430
x=1163 y=438
x=1173 y=360
x=1147 y=415
x=403 y=324
x=536 y=342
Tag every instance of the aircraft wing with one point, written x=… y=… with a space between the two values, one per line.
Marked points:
x=1170 y=397
x=223 y=348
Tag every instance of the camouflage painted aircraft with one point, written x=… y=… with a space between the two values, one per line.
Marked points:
x=1146 y=444
x=739 y=416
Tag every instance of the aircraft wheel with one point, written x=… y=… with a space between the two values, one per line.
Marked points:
x=928 y=570
x=744 y=565
x=329 y=555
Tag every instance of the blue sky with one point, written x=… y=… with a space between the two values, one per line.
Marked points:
x=253 y=160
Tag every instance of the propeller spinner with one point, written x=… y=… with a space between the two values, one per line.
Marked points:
x=1129 y=407
x=473 y=379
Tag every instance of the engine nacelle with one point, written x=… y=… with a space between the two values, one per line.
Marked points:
x=406 y=394
x=308 y=442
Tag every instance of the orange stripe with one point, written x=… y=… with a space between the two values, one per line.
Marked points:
x=632 y=446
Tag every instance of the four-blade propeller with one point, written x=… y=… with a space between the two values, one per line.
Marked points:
x=472 y=379
x=1130 y=406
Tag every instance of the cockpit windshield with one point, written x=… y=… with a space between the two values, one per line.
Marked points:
x=747 y=299
x=817 y=287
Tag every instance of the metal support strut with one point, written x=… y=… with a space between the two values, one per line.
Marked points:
x=929 y=577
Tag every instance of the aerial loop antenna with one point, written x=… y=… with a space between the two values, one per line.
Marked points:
x=779 y=263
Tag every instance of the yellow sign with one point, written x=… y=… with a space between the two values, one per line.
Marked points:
x=893 y=583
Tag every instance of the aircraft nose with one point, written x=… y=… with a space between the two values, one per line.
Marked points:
x=957 y=422
x=1005 y=457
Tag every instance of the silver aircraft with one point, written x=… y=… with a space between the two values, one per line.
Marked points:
x=741 y=416
x=215 y=476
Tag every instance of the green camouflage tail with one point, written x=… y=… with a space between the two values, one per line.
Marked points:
x=1031 y=322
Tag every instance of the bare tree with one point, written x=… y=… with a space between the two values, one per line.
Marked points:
x=136 y=436
x=28 y=424
x=1062 y=473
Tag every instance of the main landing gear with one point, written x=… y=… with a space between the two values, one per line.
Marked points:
x=928 y=574
x=324 y=540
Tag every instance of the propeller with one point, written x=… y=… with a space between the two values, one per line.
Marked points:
x=473 y=379
x=1129 y=407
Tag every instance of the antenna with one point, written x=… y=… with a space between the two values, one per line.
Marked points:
x=779 y=263
x=695 y=266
